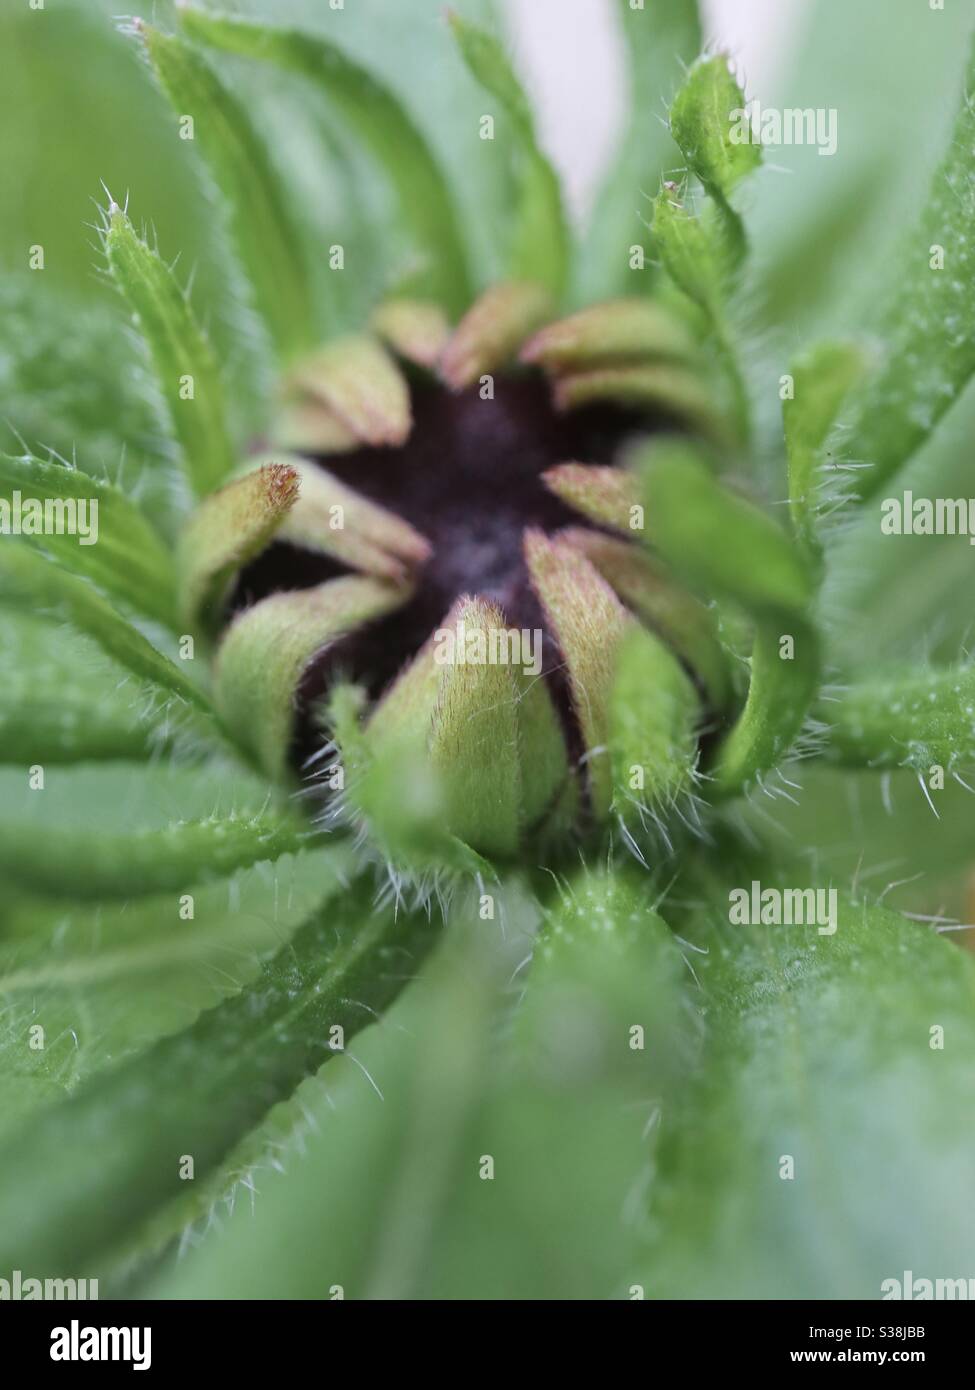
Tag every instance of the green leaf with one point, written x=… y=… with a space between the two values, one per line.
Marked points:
x=103 y=980
x=930 y=352
x=692 y=254
x=186 y=370
x=392 y=786
x=28 y=578
x=393 y=1155
x=62 y=703
x=822 y=1049
x=83 y=866
x=68 y=387
x=909 y=718
x=565 y=1075
x=384 y=126
x=48 y=724
x=661 y=41
x=257 y=204
x=721 y=542
x=122 y=552
x=694 y=251
x=653 y=719
x=651 y=592
x=540 y=248
x=85 y=1173
x=267 y=649
x=703 y=254
x=822 y=380
x=726 y=547
x=812 y=242
x=705 y=120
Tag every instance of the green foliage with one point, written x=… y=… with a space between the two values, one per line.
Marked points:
x=660 y=41
x=821 y=382
x=123 y=553
x=29 y=580
x=560 y=1077
x=267 y=649
x=68 y=387
x=914 y=718
x=380 y=121
x=260 y=214
x=703 y=122
x=70 y=722
x=186 y=370
x=95 y=866
x=667 y=1098
x=822 y=1049
x=653 y=730
x=87 y=1169
x=929 y=356
x=724 y=545
x=540 y=241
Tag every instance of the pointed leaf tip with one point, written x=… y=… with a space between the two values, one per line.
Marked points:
x=416 y=330
x=491 y=332
x=266 y=650
x=608 y=496
x=229 y=529
x=708 y=121
x=335 y=520
x=588 y=622
x=615 y=333
x=357 y=380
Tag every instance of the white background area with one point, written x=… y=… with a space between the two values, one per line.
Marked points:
x=571 y=54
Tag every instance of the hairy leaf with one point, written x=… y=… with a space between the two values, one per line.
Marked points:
x=383 y=125
x=704 y=120
x=829 y=1119
x=258 y=205
x=919 y=719
x=822 y=379
x=266 y=650
x=84 y=866
x=725 y=546
x=27 y=578
x=930 y=351
x=85 y=1172
x=121 y=553
x=185 y=368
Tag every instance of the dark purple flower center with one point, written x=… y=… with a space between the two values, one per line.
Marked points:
x=469 y=479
